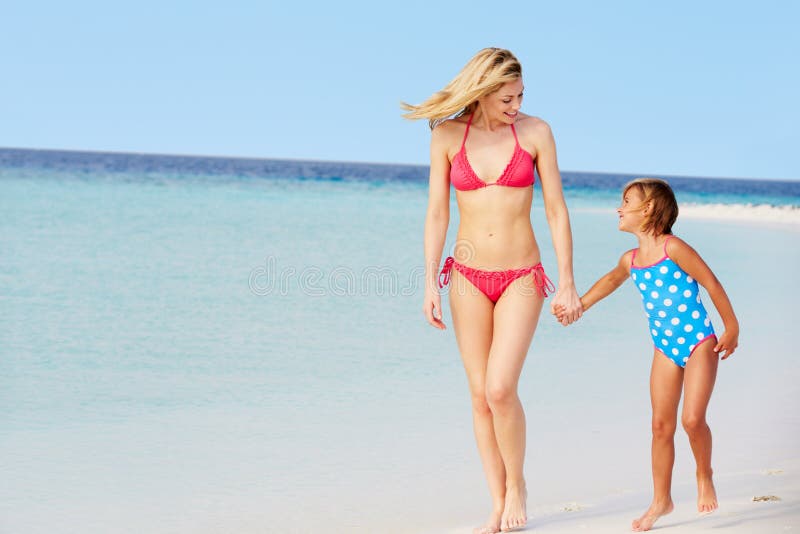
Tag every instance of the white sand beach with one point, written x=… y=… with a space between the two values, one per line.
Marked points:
x=754 y=502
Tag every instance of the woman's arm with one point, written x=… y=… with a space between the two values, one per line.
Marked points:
x=558 y=220
x=690 y=261
x=436 y=222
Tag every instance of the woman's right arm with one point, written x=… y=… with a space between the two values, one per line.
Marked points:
x=608 y=283
x=436 y=222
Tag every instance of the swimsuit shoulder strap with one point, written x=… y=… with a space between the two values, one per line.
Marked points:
x=633 y=256
x=466 y=131
x=514 y=130
x=665 y=245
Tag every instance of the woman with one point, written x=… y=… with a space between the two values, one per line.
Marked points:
x=488 y=150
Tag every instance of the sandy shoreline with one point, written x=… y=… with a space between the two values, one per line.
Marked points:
x=761 y=501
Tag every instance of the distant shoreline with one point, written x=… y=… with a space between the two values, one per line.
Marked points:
x=11 y=155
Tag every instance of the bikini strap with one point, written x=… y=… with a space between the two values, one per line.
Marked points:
x=633 y=256
x=466 y=131
x=516 y=140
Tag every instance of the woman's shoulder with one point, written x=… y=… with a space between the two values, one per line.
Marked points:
x=449 y=132
x=531 y=124
x=452 y=125
x=534 y=134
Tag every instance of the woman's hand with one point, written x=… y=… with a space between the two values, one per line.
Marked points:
x=566 y=305
x=432 y=308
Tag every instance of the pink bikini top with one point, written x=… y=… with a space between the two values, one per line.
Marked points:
x=518 y=172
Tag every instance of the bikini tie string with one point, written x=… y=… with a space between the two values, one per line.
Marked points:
x=543 y=283
x=444 y=276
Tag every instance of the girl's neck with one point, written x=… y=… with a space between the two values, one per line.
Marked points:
x=651 y=241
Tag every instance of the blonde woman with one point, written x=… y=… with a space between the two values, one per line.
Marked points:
x=487 y=149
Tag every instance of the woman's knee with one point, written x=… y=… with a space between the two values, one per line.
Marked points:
x=480 y=406
x=500 y=395
x=663 y=427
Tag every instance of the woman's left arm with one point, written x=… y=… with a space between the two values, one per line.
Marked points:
x=690 y=261
x=558 y=220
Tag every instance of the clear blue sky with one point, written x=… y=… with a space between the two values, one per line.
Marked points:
x=701 y=88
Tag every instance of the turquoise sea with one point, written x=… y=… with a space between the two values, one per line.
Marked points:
x=198 y=345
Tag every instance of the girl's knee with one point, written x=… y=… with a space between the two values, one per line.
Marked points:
x=693 y=423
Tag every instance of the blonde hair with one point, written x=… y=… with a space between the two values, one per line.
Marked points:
x=485 y=73
x=659 y=195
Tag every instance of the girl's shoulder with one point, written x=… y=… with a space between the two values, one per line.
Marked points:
x=626 y=260
x=680 y=252
x=676 y=245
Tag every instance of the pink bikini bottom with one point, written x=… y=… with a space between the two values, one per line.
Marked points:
x=493 y=283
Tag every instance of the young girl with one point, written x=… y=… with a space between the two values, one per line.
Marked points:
x=666 y=271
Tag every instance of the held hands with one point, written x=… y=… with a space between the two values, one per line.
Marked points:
x=566 y=306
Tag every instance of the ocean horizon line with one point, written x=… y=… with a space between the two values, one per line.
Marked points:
x=166 y=155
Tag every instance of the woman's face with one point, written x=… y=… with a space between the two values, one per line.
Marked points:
x=503 y=105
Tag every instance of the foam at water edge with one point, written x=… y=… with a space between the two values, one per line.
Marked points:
x=788 y=214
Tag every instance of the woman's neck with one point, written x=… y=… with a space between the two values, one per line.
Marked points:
x=484 y=122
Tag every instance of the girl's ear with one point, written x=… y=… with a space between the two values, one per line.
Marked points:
x=648 y=207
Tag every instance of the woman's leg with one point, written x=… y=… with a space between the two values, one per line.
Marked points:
x=666 y=380
x=516 y=315
x=701 y=373
x=472 y=320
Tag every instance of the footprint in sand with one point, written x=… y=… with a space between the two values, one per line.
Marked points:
x=571 y=507
x=764 y=498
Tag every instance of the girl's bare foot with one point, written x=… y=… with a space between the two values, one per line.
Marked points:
x=492 y=525
x=514 y=514
x=656 y=510
x=706 y=495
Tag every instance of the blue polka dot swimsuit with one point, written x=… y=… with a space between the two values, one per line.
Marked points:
x=678 y=320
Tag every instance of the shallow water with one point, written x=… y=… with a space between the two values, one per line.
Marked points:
x=204 y=354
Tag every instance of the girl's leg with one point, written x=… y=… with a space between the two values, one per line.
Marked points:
x=666 y=380
x=701 y=373
x=472 y=315
x=515 y=317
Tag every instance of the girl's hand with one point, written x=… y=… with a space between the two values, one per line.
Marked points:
x=566 y=305
x=727 y=343
x=560 y=312
x=432 y=308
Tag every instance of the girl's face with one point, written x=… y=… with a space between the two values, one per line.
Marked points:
x=632 y=210
x=503 y=105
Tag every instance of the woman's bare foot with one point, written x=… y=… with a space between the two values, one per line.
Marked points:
x=656 y=510
x=514 y=514
x=492 y=525
x=706 y=495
